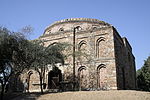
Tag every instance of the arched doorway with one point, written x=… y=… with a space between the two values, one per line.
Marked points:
x=82 y=73
x=54 y=78
x=33 y=81
x=30 y=80
x=101 y=77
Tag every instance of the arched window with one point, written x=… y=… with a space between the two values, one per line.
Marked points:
x=100 y=47
x=101 y=76
x=49 y=31
x=30 y=72
x=94 y=28
x=82 y=74
x=81 y=68
x=83 y=49
x=81 y=44
x=78 y=28
x=61 y=29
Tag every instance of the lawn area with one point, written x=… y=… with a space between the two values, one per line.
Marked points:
x=89 y=95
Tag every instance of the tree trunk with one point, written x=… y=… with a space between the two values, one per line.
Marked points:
x=2 y=92
x=41 y=84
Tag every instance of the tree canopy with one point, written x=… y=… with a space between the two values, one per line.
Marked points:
x=10 y=51
x=17 y=54
x=143 y=76
x=43 y=56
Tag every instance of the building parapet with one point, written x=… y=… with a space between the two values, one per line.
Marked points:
x=78 y=20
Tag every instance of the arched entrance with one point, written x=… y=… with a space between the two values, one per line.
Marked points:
x=54 y=78
x=33 y=81
x=30 y=80
x=82 y=73
x=101 y=77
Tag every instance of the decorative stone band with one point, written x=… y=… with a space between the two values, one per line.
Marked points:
x=90 y=30
x=78 y=20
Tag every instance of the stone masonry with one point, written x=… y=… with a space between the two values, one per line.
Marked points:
x=106 y=60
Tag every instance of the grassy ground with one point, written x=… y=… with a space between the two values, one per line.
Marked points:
x=9 y=96
x=89 y=95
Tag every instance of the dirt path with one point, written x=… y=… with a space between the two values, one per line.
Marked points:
x=90 y=95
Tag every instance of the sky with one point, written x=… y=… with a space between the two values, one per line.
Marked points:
x=131 y=18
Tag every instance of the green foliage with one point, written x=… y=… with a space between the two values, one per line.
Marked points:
x=41 y=57
x=15 y=48
x=9 y=53
x=9 y=46
x=23 y=54
x=143 y=76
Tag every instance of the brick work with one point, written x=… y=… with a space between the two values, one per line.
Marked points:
x=109 y=63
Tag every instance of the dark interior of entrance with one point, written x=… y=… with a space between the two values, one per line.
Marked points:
x=54 y=78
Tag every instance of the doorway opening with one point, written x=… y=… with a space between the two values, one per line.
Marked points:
x=54 y=78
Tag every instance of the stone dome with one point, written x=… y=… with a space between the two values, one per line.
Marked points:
x=78 y=20
x=68 y=24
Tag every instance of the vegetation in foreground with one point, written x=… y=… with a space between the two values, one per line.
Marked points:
x=89 y=95
x=17 y=54
x=143 y=76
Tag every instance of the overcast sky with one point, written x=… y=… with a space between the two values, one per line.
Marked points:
x=130 y=17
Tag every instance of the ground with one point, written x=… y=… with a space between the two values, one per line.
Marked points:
x=88 y=95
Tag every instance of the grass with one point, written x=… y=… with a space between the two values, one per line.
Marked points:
x=89 y=95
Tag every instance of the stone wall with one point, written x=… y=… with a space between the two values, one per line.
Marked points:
x=103 y=62
x=130 y=70
x=125 y=63
x=95 y=38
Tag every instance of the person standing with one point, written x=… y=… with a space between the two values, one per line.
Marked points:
x=25 y=86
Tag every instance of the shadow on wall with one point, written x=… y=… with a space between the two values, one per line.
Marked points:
x=16 y=84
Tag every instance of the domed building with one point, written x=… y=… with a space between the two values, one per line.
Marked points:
x=106 y=61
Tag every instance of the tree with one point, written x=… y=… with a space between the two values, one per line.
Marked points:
x=5 y=73
x=17 y=54
x=7 y=46
x=11 y=55
x=44 y=56
x=143 y=76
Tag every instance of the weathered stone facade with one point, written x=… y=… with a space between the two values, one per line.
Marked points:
x=109 y=62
